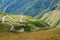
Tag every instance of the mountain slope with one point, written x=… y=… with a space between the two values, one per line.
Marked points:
x=52 y=18
x=5 y=34
x=29 y=23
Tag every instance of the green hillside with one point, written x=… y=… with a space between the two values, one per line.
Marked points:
x=29 y=23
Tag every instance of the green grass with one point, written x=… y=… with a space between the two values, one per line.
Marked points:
x=29 y=22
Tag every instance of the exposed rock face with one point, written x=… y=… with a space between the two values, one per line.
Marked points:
x=52 y=17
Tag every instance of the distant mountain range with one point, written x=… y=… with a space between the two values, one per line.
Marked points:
x=35 y=8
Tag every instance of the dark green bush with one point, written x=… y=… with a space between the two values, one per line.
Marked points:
x=29 y=24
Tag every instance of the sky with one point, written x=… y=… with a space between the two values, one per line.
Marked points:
x=35 y=8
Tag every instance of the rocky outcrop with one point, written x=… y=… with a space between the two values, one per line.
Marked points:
x=52 y=18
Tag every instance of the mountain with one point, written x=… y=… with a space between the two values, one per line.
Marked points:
x=34 y=8
x=28 y=23
x=52 y=18
x=50 y=34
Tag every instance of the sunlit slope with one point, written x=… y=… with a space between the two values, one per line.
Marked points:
x=28 y=23
x=50 y=34
x=52 y=18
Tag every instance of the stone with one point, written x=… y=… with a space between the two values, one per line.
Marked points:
x=3 y=19
x=12 y=27
x=21 y=30
x=21 y=19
